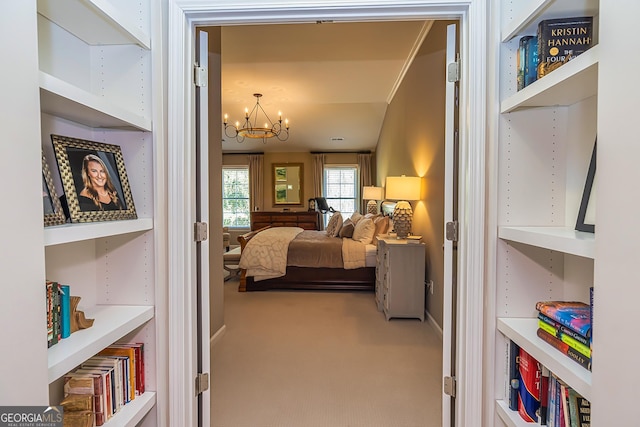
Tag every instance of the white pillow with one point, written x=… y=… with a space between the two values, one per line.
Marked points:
x=365 y=228
x=334 y=225
x=356 y=216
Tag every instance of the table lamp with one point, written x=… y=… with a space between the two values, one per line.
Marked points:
x=403 y=188
x=372 y=194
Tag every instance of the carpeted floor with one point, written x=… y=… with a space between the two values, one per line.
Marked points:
x=322 y=359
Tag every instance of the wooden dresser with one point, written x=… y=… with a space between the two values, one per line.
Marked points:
x=309 y=220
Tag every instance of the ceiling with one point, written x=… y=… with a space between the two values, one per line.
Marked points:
x=333 y=81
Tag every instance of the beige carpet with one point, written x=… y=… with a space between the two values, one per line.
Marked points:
x=322 y=359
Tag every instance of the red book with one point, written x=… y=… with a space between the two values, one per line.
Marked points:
x=529 y=392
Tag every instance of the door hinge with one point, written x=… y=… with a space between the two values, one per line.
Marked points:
x=450 y=386
x=200 y=76
x=202 y=382
x=452 y=231
x=200 y=231
x=453 y=70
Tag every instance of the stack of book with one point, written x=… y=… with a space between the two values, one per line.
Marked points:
x=539 y=396
x=566 y=325
x=565 y=406
x=58 y=312
x=112 y=378
x=557 y=41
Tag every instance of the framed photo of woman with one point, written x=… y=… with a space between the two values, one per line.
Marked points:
x=94 y=179
x=52 y=209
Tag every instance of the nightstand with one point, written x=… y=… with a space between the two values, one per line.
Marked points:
x=400 y=267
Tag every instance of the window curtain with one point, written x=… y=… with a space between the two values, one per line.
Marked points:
x=256 y=179
x=318 y=174
x=366 y=175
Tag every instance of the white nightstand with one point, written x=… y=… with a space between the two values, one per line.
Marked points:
x=400 y=278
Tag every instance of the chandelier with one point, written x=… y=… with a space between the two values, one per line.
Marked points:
x=251 y=128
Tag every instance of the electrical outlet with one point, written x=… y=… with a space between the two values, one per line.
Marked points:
x=430 y=286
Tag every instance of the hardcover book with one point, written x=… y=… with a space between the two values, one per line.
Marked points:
x=576 y=345
x=529 y=387
x=514 y=356
x=574 y=315
x=564 y=348
x=563 y=329
x=531 y=61
x=561 y=40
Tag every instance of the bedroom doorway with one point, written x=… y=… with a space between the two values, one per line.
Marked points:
x=182 y=22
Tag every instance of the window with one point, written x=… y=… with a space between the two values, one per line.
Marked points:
x=341 y=188
x=235 y=197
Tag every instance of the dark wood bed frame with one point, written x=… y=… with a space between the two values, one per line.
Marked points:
x=359 y=279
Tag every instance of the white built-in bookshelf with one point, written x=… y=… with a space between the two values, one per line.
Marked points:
x=546 y=136
x=95 y=82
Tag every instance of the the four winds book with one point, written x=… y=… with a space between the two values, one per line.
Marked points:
x=561 y=40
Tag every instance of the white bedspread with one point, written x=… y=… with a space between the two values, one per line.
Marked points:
x=353 y=254
x=265 y=255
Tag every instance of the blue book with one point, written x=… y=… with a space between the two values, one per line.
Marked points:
x=531 y=61
x=65 y=310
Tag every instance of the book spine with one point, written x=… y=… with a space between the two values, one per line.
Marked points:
x=584 y=412
x=544 y=395
x=529 y=390
x=591 y=314
x=551 y=415
x=573 y=334
x=531 y=61
x=579 y=347
x=65 y=310
x=564 y=348
x=523 y=46
x=574 y=317
x=514 y=355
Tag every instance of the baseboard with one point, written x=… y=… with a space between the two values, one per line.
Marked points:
x=215 y=339
x=434 y=324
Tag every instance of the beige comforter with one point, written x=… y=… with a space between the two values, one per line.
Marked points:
x=269 y=252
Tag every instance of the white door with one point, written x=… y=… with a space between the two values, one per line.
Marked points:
x=201 y=232
x=450 y=218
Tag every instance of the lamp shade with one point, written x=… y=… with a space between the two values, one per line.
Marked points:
x=403 y=187
x=372 y=193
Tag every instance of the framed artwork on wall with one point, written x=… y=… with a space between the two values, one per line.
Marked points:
x=94 y=179
x=53 y=214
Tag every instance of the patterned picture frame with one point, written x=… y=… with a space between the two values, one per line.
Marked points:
x=52 y=209
x=94 y=179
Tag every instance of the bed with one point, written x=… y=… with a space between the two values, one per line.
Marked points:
x=293 y=258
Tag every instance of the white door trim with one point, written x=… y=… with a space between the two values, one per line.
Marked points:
x=183 y=16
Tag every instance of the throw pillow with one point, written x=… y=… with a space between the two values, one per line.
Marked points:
x=334 y=225
x=347 y=228
x=356 y=216
x=364 y=231
x=382 y=225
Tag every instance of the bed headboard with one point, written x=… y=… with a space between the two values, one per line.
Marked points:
x=386 y=207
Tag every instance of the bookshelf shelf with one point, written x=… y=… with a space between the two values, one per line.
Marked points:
x=509 y=417
x=523 y=332
x=69 y=233
x=133 y=412
x=111 y=323
x=574 y=81
x=563 y=239
x=534 y=11
x=62 y=99
x=94 y=21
